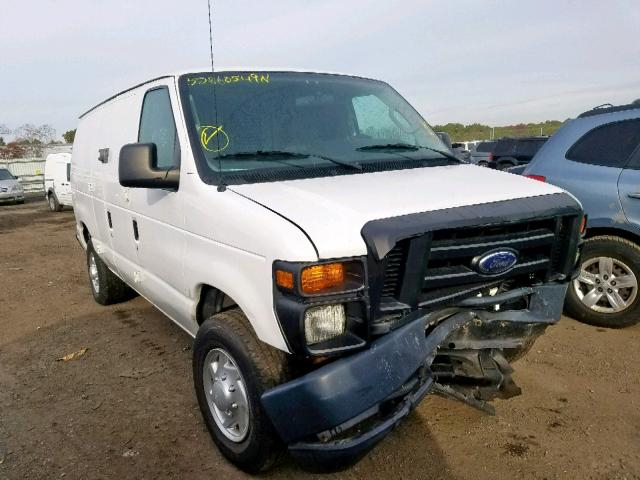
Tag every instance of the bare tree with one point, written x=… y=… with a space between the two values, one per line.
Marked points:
x=30 y=133
x=4 y=130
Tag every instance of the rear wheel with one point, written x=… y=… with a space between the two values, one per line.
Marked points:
x=54 y=205
x=231 y=370
x=606 y=291
x=106 y=287
x=505 y=165
x=483 y=164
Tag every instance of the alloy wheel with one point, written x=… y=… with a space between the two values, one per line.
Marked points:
x=606 y=285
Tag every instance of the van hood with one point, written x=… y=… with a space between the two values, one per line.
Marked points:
x=333 y=210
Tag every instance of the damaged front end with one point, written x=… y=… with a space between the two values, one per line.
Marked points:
x=335 y=414
x=434 y=322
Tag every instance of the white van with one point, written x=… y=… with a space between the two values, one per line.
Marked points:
x=334 y=262
x=57 y=177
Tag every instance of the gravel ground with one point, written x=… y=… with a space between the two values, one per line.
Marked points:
x=126 y=408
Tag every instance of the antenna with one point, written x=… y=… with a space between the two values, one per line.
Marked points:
x=221 y=186
x=210 y=36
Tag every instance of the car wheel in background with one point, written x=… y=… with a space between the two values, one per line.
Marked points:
x=505 y=166
x=231 y=370
x=106 y=287
x=483 y=164
x=606 y=292
x=54 y=205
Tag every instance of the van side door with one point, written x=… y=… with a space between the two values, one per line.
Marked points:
x=158 y=219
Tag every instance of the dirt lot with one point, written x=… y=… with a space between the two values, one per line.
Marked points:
x=126 y=408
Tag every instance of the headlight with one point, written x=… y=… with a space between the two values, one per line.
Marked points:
x=16 y=188
x=322 y=278
x=318 y=278
x=324 y=323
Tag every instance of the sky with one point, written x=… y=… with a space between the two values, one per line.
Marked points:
x=466 y=61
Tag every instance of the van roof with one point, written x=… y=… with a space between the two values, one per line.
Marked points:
x=218 y=70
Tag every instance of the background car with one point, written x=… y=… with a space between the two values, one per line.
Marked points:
x=10 y=188
x=596 y=157
x=510 y=152
x=483 y=153
x=460 y=150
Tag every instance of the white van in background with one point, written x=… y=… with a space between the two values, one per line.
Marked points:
x=57 y=177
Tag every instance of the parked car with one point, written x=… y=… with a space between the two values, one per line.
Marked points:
x=510 y=152
x=57 y=178
x=460 y=150
x=596 y=157
x=10 y=188
x=301 y=227
x=483 y=153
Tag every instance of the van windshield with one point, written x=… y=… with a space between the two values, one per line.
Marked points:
x=247 y=127
x=5 y=174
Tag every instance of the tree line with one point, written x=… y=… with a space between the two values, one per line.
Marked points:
x=477 y=131
x=29 y=139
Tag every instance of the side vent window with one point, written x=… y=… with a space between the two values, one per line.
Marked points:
x=158 y=126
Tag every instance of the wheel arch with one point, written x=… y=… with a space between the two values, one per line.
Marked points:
x=212 y=300
x=614 y=232
x=86 y=236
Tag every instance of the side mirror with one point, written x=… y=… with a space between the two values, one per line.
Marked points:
x=137 y=168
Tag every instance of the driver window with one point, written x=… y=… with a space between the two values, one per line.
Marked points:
x=157 y=126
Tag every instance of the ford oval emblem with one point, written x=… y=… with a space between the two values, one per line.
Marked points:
x=495 y=262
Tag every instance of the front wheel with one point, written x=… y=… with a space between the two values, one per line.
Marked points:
x=54 y=205
x=605 y=293
x=231 y=370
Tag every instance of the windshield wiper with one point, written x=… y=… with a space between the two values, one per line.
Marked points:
x=407 y=146
x=276 y=154
x=388 y=146
x=263 y=153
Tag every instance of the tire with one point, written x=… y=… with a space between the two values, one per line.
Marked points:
x=617 y=306
x=106 y=287
x=260 y=367
x=483 y=164
x=54 y=205
x=505 y=166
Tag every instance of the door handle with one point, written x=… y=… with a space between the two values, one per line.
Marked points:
x=135 y=230
x=634 y=195
x=109 y=219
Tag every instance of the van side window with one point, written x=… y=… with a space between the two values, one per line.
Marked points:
x=158 y=126
x=68 y=172
x=609 y=145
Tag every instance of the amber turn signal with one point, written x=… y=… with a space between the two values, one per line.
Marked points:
x=284 y=279
x=322 y=277
x=583 y=225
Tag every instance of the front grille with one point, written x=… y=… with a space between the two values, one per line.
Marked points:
x=448 y=275
x=395 y=266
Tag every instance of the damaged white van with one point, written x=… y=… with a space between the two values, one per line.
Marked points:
x=334 y=262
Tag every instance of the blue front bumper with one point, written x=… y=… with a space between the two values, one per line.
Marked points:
x=311 y=412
